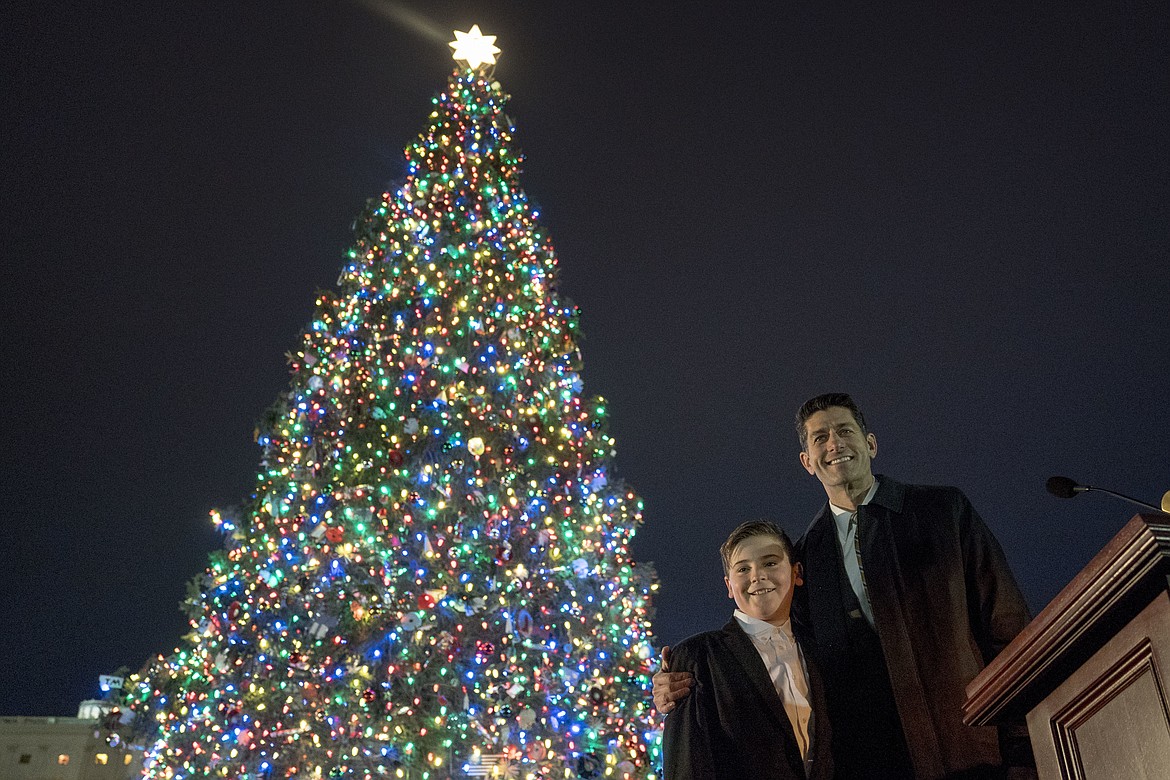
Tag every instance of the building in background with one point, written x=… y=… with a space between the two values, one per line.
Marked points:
x=93 y=746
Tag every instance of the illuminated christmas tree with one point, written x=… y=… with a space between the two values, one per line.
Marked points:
x=433 y=577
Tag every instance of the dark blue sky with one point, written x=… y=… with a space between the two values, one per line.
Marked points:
x=958 y=212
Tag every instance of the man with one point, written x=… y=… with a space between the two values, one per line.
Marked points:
x=909 y=596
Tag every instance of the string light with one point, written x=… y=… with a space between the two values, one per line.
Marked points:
x=433 y=576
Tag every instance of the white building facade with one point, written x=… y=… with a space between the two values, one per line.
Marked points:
x=51 y=748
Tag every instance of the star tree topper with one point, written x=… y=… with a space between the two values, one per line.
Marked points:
x=474 y=48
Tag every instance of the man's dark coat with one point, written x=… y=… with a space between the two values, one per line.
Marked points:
x=733 y=725
x=944 y=603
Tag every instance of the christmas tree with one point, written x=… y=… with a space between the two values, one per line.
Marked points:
x=432 y=578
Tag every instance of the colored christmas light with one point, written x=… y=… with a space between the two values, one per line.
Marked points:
x=432 y=578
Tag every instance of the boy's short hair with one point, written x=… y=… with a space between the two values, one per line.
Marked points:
x=754 y=528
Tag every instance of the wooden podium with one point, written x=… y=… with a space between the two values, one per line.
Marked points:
x=1092 y=672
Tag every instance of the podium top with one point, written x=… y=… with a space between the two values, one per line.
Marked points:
x=1131 y=570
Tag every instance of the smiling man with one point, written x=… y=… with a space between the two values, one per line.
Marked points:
x=909 y=596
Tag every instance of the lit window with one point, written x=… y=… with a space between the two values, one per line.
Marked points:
x=63 y=759
x=126 y=759
x=101 y=759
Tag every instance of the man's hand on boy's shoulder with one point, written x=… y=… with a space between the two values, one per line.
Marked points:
x=670 y=687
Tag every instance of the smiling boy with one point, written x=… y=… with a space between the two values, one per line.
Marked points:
x=757 y=710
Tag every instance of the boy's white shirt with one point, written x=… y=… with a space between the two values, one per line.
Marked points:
x=784 y=661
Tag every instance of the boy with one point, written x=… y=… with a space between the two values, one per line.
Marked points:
x=757 y=709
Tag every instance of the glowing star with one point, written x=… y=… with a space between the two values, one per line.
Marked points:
x=474 y=48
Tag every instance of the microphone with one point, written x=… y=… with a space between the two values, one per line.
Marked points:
x=1063 y=487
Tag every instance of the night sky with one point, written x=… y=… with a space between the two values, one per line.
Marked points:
x=958 y=212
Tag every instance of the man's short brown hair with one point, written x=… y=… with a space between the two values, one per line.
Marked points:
x=821 y=403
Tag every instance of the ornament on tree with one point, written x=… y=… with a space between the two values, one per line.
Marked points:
x=322 y=625
x=527 y=718
x=589 y=766
x=524 y=623
x=445 y=642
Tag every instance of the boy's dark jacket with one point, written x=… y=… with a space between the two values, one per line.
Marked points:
x=733 y=725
